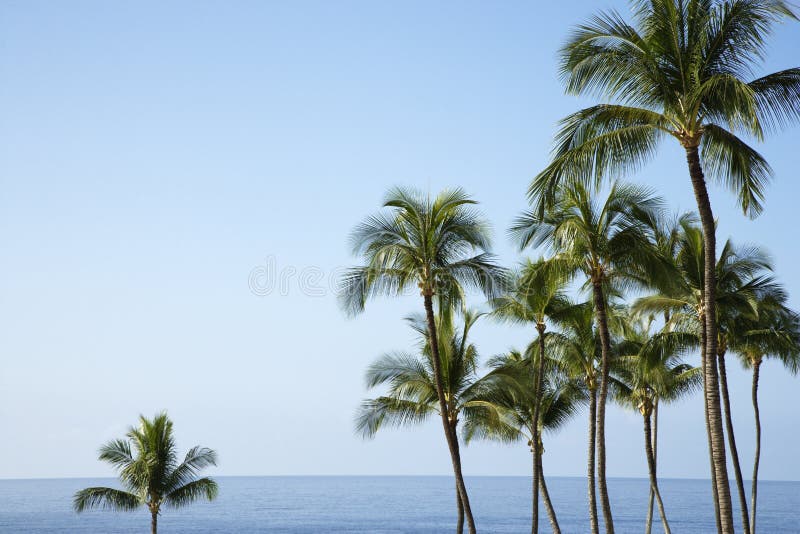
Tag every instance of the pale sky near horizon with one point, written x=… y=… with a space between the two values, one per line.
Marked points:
x=154 y=154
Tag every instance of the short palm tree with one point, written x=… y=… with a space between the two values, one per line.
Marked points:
x=507 y=409
x=649 y=372
x=148 y=467
x=607 y=242
x=438 y=245
x=681 y=70
x=411 y=397
x=535 y=296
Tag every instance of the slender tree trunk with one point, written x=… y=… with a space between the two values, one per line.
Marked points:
x=648 y=527
x=460 y=524
x=590 y=461
x=710 y=371
x=537 y=392
x=737 y=470
x=605 y=346
x=154 y=522
x=651 y=467
x=548 y=504
x=703 y=359
x=452 y=437
x=754 y=489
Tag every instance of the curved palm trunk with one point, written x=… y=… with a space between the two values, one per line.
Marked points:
x=648 y=527
x=537 y=392
x=590 y=461
x=154 y=522
x=651 y=467
x=452 y=437
x=548 y=504
x=754 y=489
x=737 y=470
x=605 y=345
x=714 y=427
x=460 y=506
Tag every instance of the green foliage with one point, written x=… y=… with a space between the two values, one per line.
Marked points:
x=681 y=69
x=149 y=470
x=439 y=245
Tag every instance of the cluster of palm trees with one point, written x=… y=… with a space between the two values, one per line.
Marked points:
x=681 y=70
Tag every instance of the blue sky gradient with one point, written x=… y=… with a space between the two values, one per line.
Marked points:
x=153 y=154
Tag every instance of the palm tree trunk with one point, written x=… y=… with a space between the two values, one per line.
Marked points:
x=714 y=428
x=590 y=461
x=754 y=489
x=605 y=346
x=452 y=437
x=548 y=504
x=715 y=497
x=460 y=506
x=737 y=470
x=537 y=391
x=648 y=527
x=154 y=522
x=651 y=467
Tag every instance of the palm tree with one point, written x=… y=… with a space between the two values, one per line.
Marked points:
x=773 y=332
x=536 y=294
x=667 y=233
x=606 y=242
x=649 y=372
x=577 y=349
x=507 y=409
x=682 y=70
x=741 y=284
x=148 y=467
x=427 y=243
x=412 y=398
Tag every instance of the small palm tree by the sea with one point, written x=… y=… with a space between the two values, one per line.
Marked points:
x=148 y=467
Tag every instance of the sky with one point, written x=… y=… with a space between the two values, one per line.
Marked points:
x=177 y=185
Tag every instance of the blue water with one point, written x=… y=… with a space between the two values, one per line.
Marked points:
x=382 y=505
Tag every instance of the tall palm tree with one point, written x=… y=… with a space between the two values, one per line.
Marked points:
x=773 y=333
x=148 y=467
x=649 y=372
x=537 y=293
x=412 y=397
x=507 y=409
x=681 y=70
x=667 y=234
x=438 y=245
x=577 y=348
x=607 y=242
x=741 y=284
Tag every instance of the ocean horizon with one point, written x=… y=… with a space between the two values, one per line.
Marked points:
x=383 y=505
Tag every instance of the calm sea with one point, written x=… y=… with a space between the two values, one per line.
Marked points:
x=382 y=505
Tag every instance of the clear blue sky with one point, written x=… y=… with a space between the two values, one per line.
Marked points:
x=152 y=154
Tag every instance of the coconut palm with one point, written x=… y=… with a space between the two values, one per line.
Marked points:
x=437 y=245
x=741 y=283
x=681 y=70
x=411 y=397
x=607 y=242
x=774 y=332
x=148 y=467
x=649 y=372
x=508 y=409
x=535 y=295
x=576 y=346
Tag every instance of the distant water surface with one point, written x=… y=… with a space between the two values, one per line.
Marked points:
x=383 y=505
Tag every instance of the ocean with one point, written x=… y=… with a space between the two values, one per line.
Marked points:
x=384 y=505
